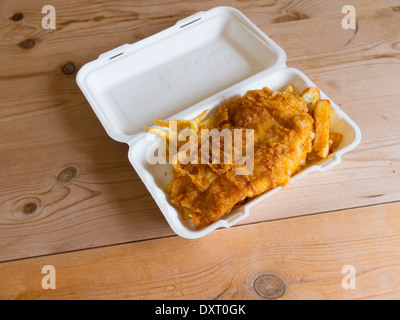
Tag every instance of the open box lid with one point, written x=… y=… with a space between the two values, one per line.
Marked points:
x=158 y=77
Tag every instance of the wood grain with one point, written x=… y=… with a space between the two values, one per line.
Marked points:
x=300 y=258
x=65 y=185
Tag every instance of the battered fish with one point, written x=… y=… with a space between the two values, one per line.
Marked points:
x=283 y=134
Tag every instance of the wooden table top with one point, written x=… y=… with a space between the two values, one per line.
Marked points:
x=70 y=198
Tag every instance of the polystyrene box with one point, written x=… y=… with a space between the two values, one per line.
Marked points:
x=176 y=74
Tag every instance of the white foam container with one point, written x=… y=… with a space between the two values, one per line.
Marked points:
x=194 y=65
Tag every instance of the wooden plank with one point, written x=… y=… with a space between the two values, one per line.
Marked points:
x=65 y=185
x=301 y=258
x=86 y=30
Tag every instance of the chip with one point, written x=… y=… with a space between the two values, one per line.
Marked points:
x=336 y=139
x=311 y=96
x=322 y=113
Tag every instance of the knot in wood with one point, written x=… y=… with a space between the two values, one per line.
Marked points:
x=27 y=44
x=68 y=68
x=269 y=287
x=27 y=208
x=17 y=16
x=68 y=175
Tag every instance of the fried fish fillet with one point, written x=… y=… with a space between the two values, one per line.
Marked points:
x=283 y=134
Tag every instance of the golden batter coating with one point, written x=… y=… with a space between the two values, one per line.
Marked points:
x=283 y=132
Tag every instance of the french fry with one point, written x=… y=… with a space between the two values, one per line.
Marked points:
x=322 y=113
x=290 y=89
x=311 y=96
x=336 y=139
x=313 y=156
x=161 y=123
x=168 y=135
x=198 y=119
x=207 y=123
x=181 y=124
x=186 y=214
x=168 y=188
